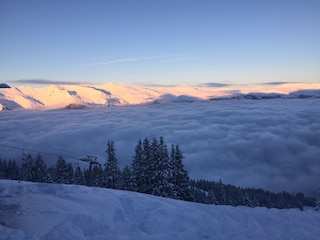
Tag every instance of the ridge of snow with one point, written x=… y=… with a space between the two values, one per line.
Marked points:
x=131 y=94
x=52 y=211
x=306 y=93
x=59 y=96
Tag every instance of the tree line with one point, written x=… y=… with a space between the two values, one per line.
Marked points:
x=154 y=170
x=216 y=192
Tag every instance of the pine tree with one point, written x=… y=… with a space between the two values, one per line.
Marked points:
x=13 y=172
x=127 y=179
x=138 y=169
x=97 y=176
x=112 y=169
x=220 y=193
x=51 y=172
x=180 y=177
x=299 y=199
x=152 y=166
x=162 y=169
x=3 y=169
x=27 y=169
x=69 y=174
x=9 y=170
x=87 y=177
x=211 y=199
x=40 y=170
x=78 y=176
x=147 y=167
x=61 y=171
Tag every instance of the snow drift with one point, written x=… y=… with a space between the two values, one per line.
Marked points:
x=50 y=211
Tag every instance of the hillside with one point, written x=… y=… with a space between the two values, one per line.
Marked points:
x=60 y=96
x=50 y=211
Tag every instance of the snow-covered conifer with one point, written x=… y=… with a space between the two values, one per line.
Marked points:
x=3 y=169
x=180 y=176
x=40 y=169
x=69 y=174
x=97 y=176
x=147 y=167
x=61 y=174
x=112 y=170
x=27 y=169
x=138 y=169
x=127 y=179
x=162 y=170
x=78 y=176
x=51 y=172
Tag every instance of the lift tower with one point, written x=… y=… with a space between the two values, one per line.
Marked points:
x=92 y=161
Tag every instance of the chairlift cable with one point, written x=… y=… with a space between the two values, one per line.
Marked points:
x=36 y=151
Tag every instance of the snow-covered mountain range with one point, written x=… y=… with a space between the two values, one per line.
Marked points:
x=51 y=211
x=78 y=96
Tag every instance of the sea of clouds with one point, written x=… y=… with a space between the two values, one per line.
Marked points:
x=272 y=144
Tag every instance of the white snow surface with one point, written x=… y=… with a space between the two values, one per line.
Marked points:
x=51 y=211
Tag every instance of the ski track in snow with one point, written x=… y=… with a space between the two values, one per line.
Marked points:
x=50 y=211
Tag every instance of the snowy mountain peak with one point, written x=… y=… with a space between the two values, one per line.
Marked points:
x=59 y=96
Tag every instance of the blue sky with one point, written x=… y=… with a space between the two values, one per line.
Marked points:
x=166 y=42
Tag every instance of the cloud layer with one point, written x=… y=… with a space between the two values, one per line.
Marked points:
x=213 y=84
x=4 y=85
x=168 y=57
x=273 y=144
x=47 y=82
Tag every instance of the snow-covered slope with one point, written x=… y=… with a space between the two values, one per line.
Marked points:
x=49 y=211
x=131 y=94
x=59 y=96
